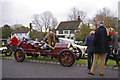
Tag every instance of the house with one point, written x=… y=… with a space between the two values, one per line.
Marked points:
x=20 y=33
x=66 y=29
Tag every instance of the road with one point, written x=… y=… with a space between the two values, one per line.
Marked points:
x=13 y=69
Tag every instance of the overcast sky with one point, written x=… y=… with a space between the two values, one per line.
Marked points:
x=21 y=11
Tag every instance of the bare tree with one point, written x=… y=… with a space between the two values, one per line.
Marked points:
x=105 y=12
x=46 y=18
x=105 y=15
x=74 y=13
x=54 y=23
x=37 y=22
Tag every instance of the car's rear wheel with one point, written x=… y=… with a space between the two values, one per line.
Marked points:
x=19 y=55
x=8 y=52
x=66 y=58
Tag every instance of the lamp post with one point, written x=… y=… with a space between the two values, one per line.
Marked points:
x=95 y=20
x=30 y=29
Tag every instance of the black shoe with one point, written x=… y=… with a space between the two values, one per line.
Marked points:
x=90 y=73
x=101 y=74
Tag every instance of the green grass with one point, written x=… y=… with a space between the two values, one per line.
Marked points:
x=80 y=61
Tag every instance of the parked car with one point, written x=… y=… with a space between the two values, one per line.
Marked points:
x=119 y=53
x=74 y=43
x=3 y=42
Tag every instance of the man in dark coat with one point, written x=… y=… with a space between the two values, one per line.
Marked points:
x=100 y=44
x=90 y=48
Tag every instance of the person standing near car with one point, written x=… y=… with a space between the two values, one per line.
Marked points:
x=109 y=46
x=9 y=40
x=14 y=42
x=50 y=39
x=90 y=48
x=100 y=44
x=114 y=44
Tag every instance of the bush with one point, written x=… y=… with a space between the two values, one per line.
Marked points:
x=83 y=32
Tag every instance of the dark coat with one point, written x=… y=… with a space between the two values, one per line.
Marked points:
x=90 y=46
x=114 y=41
x=100 y=40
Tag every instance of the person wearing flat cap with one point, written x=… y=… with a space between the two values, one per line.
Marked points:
x=90 y=48
x=100 y=45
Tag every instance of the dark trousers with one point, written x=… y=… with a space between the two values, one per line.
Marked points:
x=14 y=47
x=116 y=58
x=115 y=55
x=90 y=55
x=107 y=57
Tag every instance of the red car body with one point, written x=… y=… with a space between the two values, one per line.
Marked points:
x=60 y=51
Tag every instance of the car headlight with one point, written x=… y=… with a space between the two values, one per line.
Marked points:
x=75 y=47
x=71 y=48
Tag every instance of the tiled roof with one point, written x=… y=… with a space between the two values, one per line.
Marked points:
x=69 y=25
x=21 y=31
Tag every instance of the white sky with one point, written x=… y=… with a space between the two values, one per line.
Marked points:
x=21 y=11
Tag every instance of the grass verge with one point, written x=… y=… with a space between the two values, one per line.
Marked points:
x=83 y=60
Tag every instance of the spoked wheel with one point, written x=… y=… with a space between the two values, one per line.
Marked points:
x=8 y=52
x=22 y=43
x=19 y=55
x=66 y=58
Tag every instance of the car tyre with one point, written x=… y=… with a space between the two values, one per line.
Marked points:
x=19 y=55
x=66 y=58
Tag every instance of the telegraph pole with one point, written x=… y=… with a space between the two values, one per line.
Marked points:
x=119 y=17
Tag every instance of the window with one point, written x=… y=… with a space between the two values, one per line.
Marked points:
x=23 y=33
x=66 y=32
x=60 y=31
x=71 y=31
x=61 y=41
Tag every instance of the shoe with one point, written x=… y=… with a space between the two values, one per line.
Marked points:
x=101 y=74
x=90 y=73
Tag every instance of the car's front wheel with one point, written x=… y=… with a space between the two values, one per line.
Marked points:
x=66 y=58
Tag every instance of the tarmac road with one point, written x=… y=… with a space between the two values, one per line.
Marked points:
x=14 y=69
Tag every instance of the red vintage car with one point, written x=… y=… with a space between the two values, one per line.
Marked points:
x=65 y=53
